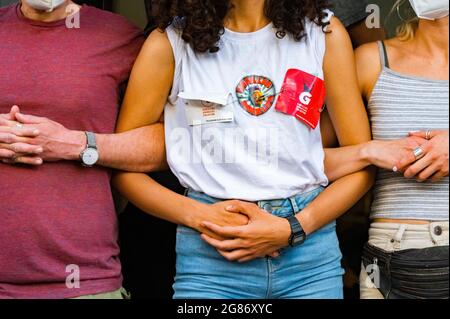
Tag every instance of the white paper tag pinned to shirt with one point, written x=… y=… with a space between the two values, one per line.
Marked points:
x=207 y=108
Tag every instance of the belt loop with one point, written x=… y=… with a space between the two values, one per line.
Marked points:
x=186 y=192
x=294 y=205
x=401 y=231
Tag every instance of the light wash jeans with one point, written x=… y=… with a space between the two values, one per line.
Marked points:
x=310 y=271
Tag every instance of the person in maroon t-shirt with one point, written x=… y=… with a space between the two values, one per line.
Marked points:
x=58 y=230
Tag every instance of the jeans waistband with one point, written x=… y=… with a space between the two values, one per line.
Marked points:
x=394 y=237
x=278 y=207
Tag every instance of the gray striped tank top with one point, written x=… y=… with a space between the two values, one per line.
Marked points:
x=400 y=104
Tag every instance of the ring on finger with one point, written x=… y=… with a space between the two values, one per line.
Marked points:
x=418 y=153
x=395 y=169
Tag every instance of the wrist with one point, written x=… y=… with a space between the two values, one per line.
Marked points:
x=306 y=222
x=195 y=214
x=76 y=145
x=285 y=232
x=366 y=153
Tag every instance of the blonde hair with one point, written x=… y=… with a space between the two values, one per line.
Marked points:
x=407 y=29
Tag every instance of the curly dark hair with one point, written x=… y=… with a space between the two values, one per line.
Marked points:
x=202 y=21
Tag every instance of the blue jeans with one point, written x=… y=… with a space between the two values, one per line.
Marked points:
x=310 y=271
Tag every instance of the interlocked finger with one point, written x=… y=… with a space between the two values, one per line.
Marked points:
x=22 y=148
x=27 y=160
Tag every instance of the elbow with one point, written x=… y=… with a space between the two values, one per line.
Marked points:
x=332 y=175
x=151 y=162
x=367 y=176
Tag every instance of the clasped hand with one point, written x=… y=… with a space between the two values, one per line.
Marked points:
x=263 y=235
x=31 y=140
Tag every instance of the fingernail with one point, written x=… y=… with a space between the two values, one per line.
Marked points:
x=39 y=161
x=36 y=132
x=39 y=150
x=229 y=208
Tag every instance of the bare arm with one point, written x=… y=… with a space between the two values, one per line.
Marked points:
x=141 y=148
x=351 y=123
x=154 y=69
x=390 y=155
x=150 y=81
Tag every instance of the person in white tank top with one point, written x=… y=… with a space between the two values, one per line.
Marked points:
x=242 y=87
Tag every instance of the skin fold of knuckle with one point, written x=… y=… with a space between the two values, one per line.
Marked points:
x=9 y=138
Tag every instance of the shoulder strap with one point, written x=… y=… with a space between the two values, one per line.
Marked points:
x=383 y=54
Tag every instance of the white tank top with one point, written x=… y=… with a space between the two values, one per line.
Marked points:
x=243 y=156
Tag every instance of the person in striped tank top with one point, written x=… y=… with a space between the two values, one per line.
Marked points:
x=407 y=95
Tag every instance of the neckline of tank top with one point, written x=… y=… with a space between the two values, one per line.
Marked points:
x=413 y=77
x=245 y=36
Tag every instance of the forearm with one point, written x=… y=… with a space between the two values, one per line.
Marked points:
x=139 y=150
x=337 y=199
x=343 y=161
x=155 y=199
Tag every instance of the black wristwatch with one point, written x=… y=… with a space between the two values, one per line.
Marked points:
x=298 y=235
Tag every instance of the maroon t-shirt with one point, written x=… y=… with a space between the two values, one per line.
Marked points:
x=61 y=214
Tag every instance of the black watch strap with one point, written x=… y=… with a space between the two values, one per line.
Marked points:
x=298 y=235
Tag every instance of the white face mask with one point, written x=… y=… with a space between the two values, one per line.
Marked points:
x=430 y=9
x=45 y=5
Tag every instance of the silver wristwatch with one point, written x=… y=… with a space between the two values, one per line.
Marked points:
x=89 y=157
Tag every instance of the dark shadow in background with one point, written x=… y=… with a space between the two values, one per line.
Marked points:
x=148 y=249
x=101 y=4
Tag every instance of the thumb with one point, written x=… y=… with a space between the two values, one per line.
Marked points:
x=14 y=110
x=234 y=207
x=11 y=116
x=244 y=208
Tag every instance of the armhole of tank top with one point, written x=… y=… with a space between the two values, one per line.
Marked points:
x=178 y=50
x=319 y=39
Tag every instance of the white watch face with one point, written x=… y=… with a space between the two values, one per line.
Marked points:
x=90 y=157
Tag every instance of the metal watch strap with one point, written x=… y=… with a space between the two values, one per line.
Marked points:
x=91 y=142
